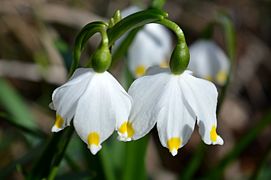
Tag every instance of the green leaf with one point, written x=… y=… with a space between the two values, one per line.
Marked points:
x=15 y=106
x=51 y=156
x=134 y=166
x=242 y=144
x=124 y=46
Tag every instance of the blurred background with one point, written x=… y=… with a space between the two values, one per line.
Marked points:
x=36 y=42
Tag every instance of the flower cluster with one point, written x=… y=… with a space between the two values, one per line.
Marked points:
x=99 y=105
x=170 y=97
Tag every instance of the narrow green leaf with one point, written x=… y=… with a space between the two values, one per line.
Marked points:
x=15 y=106
x=51 y=156
x=134 y=166
x=107 y=163
x=242 y=144
x=193 y=165
x=124 y=46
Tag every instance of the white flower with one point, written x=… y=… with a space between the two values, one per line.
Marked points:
x=208 y=61
x=175 y=103
x=151 y=46
x=96 y=101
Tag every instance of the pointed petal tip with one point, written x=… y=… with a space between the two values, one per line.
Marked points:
x=123 y=137
x=56 y=129
x=174 y=152
x=51 y=106
x=219 y=141
x=94 y=148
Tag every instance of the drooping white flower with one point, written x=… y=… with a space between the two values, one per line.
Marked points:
x=208 y=61
x=175 y=103
x=151 y=46
x=97 y=103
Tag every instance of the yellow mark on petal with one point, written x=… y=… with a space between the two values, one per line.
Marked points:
x=213 y=134
x=164 y=64
x=208 y=77
x=140 y=70
x=127 y=128
x=93 y=138
x=59 y=121
x=174 y=143
x=221 y=77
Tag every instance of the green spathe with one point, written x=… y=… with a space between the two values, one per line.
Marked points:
x=101 y=58
x=179 y=58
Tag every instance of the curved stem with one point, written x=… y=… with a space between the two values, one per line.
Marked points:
x=229 y=35
x=133 y=21
x=81 y=39
x=175 y=28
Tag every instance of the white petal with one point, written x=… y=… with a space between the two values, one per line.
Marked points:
x=176 y=121
x=207 y=60
x=121 y=102
x=145 y=91
x=201 y=95
x=149 y=48
x=97 y=110
x=156 y=70
x=65 y=98
x=129 y=10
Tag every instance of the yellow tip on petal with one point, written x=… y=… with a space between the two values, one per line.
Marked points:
x=126 y=129
x=213 y=134
x=164 y=64
x=221 y=77
x=174 y=144
x=140 y=70
x=93 y=139
x=208 y=77
x=59 y=121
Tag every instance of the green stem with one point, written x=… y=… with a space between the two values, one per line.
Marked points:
x=51 y=155
x=229 y=35
x=106 y=163
x=158 y=4
x=81 y=39
x=133 y=21
x=175 y=28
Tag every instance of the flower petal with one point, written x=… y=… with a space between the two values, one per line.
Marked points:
x=122 y=103
x=175 y=121
x=65 y=98
x=151 y=47
x=207 y=60
x=145 y=91
x=201 y=95
x=98 y=110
